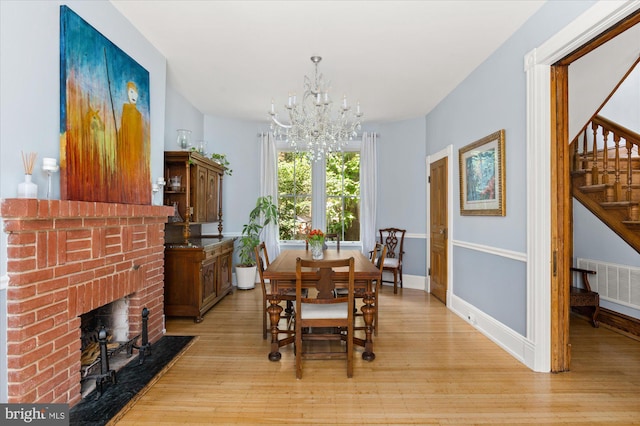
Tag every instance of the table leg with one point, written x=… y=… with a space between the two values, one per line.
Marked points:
x=368 y=313
x=274 y=311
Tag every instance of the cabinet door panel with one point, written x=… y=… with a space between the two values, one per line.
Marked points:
x=208 y=281
x=212 y=196
x=200 y=199
x=225 y=282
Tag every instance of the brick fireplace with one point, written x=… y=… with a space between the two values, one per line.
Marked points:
x=64 y=259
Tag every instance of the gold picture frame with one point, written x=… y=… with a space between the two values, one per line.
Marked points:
x=482 y=176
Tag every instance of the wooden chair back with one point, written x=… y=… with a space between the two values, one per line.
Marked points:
x=378 y=255
x=262 y=262
x=393 y=239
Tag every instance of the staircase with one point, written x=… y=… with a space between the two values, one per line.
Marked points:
x=605 y=173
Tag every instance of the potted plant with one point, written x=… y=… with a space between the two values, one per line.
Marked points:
x=222 y=160
x=265 y=212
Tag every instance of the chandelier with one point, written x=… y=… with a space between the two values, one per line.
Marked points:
x=313 y=127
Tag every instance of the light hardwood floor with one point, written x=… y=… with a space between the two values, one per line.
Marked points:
x=431 y=367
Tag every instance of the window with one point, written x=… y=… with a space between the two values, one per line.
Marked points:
x=323 y=194
x=294 y=195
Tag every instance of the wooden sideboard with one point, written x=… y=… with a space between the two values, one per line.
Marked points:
x=197 y=274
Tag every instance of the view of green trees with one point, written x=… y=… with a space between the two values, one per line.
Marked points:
x=343 y=195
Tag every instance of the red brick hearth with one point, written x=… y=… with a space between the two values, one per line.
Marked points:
x=66 y=258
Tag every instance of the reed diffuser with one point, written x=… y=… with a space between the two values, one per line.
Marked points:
x=28 y=189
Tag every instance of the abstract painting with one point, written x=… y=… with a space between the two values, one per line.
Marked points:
x=104 y=118
x=482 y=176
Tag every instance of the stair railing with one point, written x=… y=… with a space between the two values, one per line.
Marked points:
x=595 y=161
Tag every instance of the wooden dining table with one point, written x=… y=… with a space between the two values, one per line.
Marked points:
x=282 y=275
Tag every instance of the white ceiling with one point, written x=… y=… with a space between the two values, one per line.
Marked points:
x=398 y=58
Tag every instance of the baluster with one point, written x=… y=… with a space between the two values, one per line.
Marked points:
x=605 y=156
x=629 y=174
x=617 y=186
x=634 y=211
x=575 y=157
x=585 y=149
x=594 y=165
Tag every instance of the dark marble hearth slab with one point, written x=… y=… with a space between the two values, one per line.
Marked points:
x=131 y=380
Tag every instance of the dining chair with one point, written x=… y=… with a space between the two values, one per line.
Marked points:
x=331 y=237
x=377 y=256
x=393 y=238
x=325 y=316
x=262 y=261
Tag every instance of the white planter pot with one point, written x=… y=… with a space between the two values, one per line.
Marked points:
x=246 y=277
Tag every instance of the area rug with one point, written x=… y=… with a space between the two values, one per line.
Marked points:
x=133 y=381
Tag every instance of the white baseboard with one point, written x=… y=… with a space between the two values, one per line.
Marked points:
x=514 y=343
x=415 y=282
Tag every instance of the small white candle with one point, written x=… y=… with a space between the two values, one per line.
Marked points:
x=49 y=162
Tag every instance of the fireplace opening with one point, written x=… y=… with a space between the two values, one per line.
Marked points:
x=110 y=323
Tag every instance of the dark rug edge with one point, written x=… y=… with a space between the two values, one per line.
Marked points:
x=128 y=397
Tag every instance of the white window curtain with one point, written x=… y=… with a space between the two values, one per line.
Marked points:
x=368 y=189
x=269 y=186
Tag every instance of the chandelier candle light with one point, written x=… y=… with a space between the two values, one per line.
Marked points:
x=315 y=238
x=313 y=127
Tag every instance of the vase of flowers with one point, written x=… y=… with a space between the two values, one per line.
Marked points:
x=315 y=238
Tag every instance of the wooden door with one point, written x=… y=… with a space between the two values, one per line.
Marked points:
x=439 y=228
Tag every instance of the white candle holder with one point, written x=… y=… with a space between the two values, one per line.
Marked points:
x=157 y=185
x=50 y=166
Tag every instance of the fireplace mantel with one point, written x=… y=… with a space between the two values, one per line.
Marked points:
x=65 y=258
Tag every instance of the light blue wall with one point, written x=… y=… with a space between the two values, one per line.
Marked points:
x=493 y=97
x=402 y=187
x=238 y=139
x=180 y=114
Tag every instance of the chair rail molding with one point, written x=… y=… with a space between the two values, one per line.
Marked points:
x=515 y=255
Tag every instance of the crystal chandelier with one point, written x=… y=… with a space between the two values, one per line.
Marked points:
x=312 y=127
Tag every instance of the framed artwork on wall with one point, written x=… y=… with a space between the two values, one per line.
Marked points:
x=104 y=118
x=482 y=176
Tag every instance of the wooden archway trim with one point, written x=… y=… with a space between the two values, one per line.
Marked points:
x=561 y=204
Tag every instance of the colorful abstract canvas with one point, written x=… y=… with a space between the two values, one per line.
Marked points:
x=104 y=118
